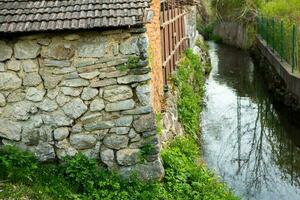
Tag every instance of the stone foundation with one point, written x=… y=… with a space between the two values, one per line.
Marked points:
x=87 y=92
x=171 y=127
x=282 y=84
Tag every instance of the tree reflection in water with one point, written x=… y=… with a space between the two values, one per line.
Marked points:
x=249 y=141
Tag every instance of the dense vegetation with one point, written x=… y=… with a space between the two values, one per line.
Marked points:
x=287 y=11
x=23 y=177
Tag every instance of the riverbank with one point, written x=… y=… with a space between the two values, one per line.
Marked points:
x=186 y=177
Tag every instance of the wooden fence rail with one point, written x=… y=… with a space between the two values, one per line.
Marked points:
x=173 y=34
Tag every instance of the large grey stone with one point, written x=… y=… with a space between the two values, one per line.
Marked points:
x=61 y=133
x=2 y=67
x=44 y=41
x=148 y=171
x=57 y=63
x=133 y=79
x=21 y=110
x=52 y=93
x=57 y=119
x=32 y=79
x=59 y=50
x=10 y=130
x=103 y=83
x=123 y=121
x=97 y=105
x=30 y=135
x=92 y=50
x=92 y=153
x=50 y=80
x=2 y=100
x=130 y=46
x=117 y=93
x=108 y=157
x=144 y=123
x=114 y=141
x=100 y=134
x=72 y=37
x=48 y=105
x=101 y=124
x=46 y=133
x=30 y=66
x=68 y=91
x=5 y=51
x=36 y=121
x=120 y=105
x=9 y=81
x=89 y=93
x=34 y=94
x=128 y=157
x=15 y=96
x=113 y=74
x=82 y=141
x=120 y=130
x=143 y=94
x=62 y=99
x=75 y=82
x=83 y=62
x=75 y=108
x=138 y=110
x=44 y=152
x=89 y=75
x=90 y=116
x=63 y=149
x=132 y=134
x=98 y=125
x=14 y=65
x=26 y=49
x=68 y=72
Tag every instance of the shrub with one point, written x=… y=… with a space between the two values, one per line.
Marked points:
x=189 y=81
x=16 y=164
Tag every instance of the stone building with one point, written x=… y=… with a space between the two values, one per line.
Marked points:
x=86 y=76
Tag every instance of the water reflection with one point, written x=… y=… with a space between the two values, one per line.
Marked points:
x=251 y=143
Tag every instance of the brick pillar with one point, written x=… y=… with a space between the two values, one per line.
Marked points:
x=154 y=36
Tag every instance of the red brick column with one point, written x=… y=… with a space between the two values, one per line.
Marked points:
x=154 y=36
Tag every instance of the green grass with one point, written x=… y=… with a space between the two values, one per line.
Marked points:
x=81 y=178
x=186 y=178
x=287 y=11
x=189 y=82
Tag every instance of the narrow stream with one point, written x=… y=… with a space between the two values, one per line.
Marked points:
x=252 y=144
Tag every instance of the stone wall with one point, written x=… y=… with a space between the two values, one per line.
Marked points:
x=171 y=127
x=284 y=86
x=191 y=24
x=88 y=92
x=235 y=34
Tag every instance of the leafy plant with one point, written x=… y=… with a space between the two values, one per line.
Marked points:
x=159 y=124
x=16 y=164
x=189 y=81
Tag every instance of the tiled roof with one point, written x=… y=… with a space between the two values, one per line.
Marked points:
x=43 y=15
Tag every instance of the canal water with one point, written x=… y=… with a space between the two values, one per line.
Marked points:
x=251 y=143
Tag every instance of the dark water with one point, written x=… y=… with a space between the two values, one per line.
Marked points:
x=252 y=144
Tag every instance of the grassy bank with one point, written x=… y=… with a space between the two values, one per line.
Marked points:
x=23 y=177
x=287 y=12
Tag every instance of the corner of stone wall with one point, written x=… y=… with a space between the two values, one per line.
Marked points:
x=171 y=127
x=81 y=92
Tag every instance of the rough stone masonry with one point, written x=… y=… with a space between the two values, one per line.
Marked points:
x=88 y=92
